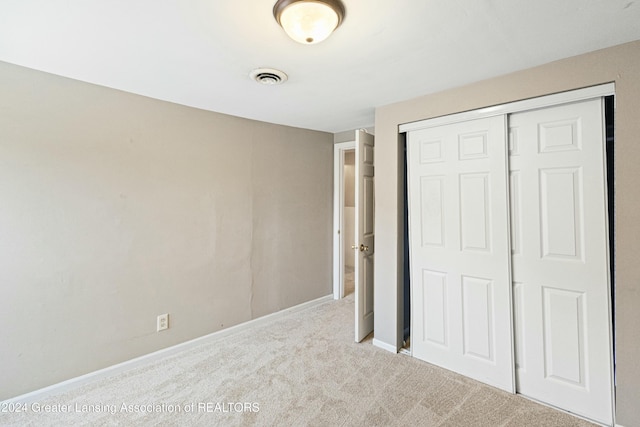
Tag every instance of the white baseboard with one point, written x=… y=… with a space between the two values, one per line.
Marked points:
x=557 y=408
x=156 y=355
x=385 y=346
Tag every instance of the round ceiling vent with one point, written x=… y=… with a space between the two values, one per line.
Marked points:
x=268 y=76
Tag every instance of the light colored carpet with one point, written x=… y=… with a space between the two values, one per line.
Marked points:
x=300 y=370
x=349 y=284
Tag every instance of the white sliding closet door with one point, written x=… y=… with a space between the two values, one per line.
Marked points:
x=459 y=237
x=560 y=258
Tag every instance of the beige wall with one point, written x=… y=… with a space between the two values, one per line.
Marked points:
x=350 y=135
x=115 y=208
x=620 y=64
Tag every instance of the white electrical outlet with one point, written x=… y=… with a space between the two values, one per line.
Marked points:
x=162 y=322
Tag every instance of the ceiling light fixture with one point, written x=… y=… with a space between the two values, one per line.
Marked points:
x=309 y=21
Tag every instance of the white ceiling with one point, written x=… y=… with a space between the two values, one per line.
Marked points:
x=200 y=52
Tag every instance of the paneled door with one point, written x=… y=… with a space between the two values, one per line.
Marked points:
x=364 y=246
x=560 y=258
x=459 y=239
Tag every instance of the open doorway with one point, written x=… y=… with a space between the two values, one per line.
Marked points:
x=353 y=192
x=349 y=220
x=344 y=220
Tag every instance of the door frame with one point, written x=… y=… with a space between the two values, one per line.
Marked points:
x=543 y=101
x=339 y=150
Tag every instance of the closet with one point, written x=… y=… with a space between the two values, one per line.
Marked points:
x=508 y=235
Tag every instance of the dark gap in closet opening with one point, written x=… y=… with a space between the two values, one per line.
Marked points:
x=609 y=120
x=406 y=275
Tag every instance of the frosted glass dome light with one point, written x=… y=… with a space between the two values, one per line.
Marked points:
x=309 y=21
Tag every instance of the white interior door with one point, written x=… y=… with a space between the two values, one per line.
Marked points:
x=560 y=258
x=459 y=238
x=364 y=246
